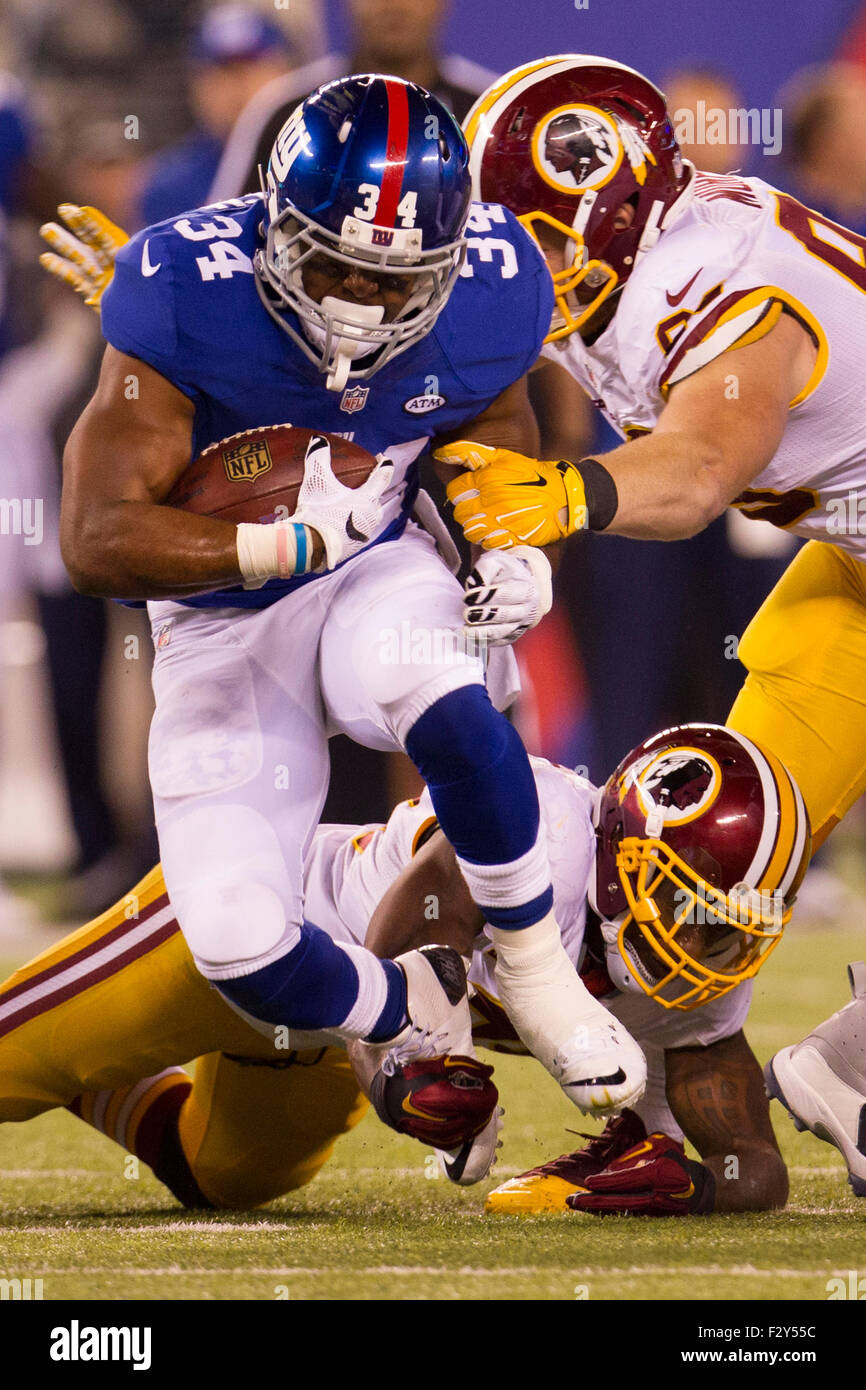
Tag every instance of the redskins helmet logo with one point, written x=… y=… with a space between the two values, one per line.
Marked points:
x=680 y=783
x=578 y=148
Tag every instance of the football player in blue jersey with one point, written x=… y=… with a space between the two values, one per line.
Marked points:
x=362 y=282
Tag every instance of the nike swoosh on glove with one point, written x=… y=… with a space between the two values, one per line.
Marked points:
x=509 y=499
x=506 y=594
x=346 y=518
x=443 y=1101
x=654 y=1178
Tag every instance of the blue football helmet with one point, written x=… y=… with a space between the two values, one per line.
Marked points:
x=369 y=173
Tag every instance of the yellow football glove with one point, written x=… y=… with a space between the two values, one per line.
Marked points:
x=83 y=256
x=509 y=499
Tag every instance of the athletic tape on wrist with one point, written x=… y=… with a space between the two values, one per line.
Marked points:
x=278 y=551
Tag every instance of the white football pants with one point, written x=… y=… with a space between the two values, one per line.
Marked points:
x=245 y=702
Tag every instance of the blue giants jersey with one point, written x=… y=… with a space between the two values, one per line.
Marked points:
x=183 y=300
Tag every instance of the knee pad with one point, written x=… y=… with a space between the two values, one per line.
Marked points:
x=232 y=927
x=229 y=886
x=479 y=776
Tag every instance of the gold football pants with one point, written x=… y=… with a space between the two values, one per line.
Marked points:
x=804 y=697
x=119 y=1002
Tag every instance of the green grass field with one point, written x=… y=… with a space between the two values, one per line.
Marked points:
x=374 y=1226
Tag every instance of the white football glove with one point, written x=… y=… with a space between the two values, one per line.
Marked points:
x=507 y=593
x=346 y=518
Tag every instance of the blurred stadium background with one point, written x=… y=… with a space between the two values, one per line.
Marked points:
x=142 y=108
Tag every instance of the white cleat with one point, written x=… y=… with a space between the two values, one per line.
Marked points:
x=602 y=1069
x=437 y=1003
x=821 y=1081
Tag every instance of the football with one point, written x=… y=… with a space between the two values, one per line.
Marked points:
x=256 y=475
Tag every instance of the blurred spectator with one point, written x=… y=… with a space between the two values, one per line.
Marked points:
x=853 y=46
x=825 y=145
x=392 y=36
x=43 y=388
x=693 y=95
x=92 y=57
x=234 y=52
x=107 y=55
x=103 y=168
x=29 y=376
x=15 y=145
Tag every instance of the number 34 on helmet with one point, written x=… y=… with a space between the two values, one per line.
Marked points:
x=369 y=176
x=703 y=842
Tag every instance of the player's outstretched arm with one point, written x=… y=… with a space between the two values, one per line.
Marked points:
x=718 y=431
x=717 y=1096
x=429 y=903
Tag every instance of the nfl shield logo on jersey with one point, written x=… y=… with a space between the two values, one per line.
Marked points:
x=354 y=398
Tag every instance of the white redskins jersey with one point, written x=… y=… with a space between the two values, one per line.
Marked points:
x=738 y=255
x=348 y=869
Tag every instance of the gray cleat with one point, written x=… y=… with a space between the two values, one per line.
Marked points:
x=821 y=1081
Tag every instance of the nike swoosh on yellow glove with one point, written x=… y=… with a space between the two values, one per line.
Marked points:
x=83 y=251
x=509 y=499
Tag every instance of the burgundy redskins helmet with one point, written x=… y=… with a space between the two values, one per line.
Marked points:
x=703 y=841
x=566 y=141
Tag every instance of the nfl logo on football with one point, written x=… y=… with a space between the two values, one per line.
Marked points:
x=247 y=460
x=354 y=398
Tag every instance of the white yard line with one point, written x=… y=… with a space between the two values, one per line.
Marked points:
x=506 y=1171
x=417 y=1171
x=404 y=1271
x=118 y=1226
x=14 y=1174
x=838 y=1170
